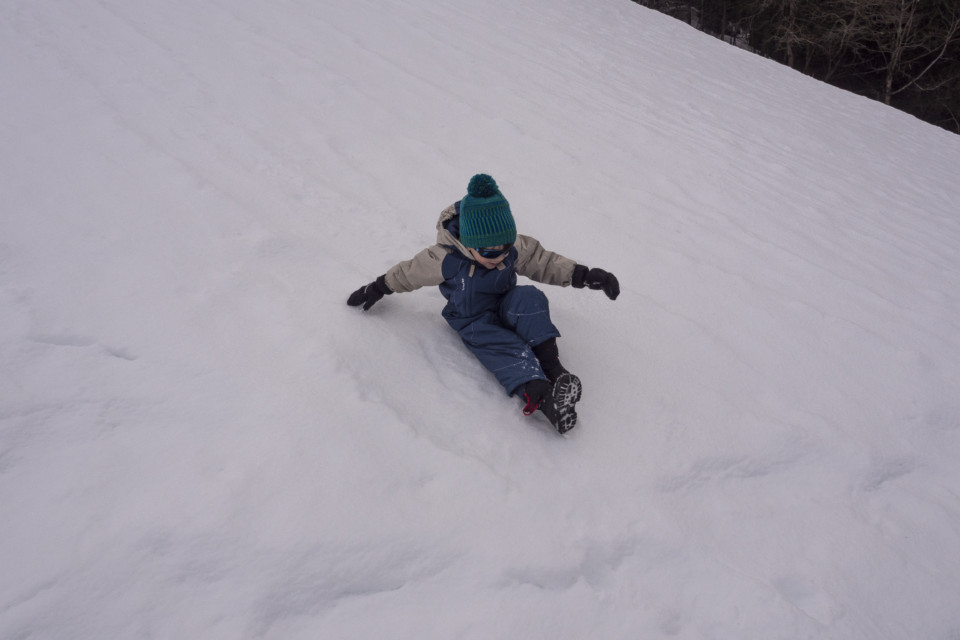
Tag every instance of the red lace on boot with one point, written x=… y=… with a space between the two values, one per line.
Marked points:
x=535 y=393
x=531 y=406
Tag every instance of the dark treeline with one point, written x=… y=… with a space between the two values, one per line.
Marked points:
x=905 y=53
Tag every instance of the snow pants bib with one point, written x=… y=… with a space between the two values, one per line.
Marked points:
x=502 y=338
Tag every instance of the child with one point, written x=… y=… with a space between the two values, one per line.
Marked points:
x=475 y=262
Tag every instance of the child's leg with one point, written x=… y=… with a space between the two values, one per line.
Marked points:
x=526 y=311
x=503 y=352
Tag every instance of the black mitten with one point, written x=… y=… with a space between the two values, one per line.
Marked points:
x=596 y=279
x=369 y=294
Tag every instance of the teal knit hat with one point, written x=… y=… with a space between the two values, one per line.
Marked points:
x=485 y=218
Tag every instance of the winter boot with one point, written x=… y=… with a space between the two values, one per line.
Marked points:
x=549 y=357
x=557 y=401
x=560 y=407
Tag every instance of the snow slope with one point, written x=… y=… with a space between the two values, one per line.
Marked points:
x=199 y=439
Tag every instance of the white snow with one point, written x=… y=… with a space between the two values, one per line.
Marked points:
x=199 y=439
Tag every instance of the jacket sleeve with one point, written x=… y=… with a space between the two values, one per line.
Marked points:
x=540 y=265
x=423 y=270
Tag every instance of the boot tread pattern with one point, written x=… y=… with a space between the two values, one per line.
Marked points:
x=565 y=395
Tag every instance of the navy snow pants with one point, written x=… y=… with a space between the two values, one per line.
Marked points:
x=502 y=338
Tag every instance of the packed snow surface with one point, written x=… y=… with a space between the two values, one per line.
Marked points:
x=199 y=439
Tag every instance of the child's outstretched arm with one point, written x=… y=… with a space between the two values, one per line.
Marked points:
x=424 y=269
x=549 y=267
x=542 y=265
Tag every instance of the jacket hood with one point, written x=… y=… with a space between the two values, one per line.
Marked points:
x=447 y=227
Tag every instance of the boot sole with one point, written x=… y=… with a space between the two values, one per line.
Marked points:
x=565 y=395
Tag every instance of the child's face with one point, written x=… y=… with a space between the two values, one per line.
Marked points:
x=489 y=263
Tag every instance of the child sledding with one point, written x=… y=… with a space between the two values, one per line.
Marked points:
x=475 y=262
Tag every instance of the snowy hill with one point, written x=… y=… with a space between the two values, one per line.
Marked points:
x=199 y=439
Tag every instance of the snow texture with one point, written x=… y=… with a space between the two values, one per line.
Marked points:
x=199 y=439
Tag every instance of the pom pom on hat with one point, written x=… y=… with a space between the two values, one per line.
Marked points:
x=485 y=218
x=482 y=186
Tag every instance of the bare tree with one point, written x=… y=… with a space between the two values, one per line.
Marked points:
x=908 y=38
x=908 y=50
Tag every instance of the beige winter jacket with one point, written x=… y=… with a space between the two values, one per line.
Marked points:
x=426 y=268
